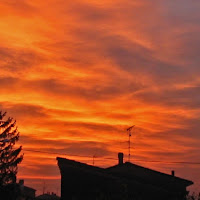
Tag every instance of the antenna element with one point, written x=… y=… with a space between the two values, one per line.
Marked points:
x=129 y=141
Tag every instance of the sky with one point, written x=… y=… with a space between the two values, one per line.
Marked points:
x=76 y=74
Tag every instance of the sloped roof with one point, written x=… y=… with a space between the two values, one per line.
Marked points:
x=48 y=197
x=99 y=174
x=129 y=171
x=64 y=163
x=145 y=175
x=29 y=188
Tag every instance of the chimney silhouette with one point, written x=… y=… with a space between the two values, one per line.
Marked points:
x=173 y=173
x=21 y=182
x=120 y=158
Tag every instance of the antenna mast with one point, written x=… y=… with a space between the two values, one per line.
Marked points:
x=44 y=187
x=129 y=141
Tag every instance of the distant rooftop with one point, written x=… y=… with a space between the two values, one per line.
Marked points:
x=48 y=196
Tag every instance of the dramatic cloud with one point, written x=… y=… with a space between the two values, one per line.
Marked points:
x=76 y=74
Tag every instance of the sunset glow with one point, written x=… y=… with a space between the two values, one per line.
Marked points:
x=76 y=74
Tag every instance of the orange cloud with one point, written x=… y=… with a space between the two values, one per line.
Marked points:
x=76 y=74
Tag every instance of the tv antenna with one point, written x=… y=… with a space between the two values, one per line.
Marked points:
x=129 y=141
x=44 y=187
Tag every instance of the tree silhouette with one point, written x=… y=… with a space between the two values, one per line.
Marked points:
x=9 y=156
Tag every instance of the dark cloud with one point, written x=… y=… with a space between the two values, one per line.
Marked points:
x=45 y=169
x=184 y=13
x=21 y=111
x=55 y=87
x=186 y=97
x=17 y=60
x=70 y=147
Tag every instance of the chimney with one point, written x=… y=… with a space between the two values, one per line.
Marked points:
x=173 y=173
x=120 y=158
x=21 y=182
x=21 y=185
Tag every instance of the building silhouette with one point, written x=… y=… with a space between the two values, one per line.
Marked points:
x=124 y=181
x=48 y=196
x=27 y=193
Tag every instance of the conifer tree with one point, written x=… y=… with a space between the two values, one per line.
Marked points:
x=10 y=157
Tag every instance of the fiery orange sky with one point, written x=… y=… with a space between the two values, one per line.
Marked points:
x=76 y=74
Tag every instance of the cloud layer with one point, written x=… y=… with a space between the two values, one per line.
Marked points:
x=76 y=74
